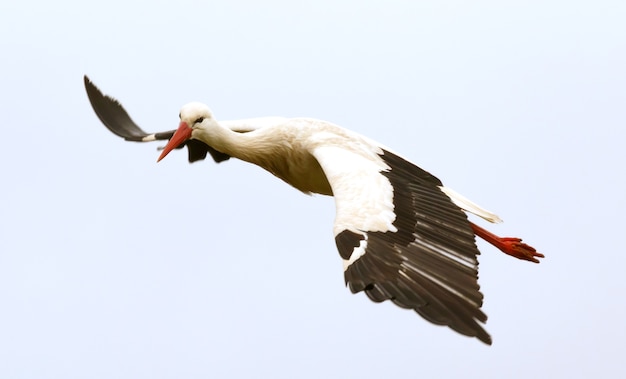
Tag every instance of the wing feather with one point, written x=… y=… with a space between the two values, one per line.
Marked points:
x=418 y=250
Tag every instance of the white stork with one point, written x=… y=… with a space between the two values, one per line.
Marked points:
x=402 y=235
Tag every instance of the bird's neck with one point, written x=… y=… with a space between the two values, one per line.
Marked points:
x=243 y=146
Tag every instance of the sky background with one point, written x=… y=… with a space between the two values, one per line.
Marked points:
x=113 y=266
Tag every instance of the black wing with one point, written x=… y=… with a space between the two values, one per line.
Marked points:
x=425 y=261
x=117 y=120
x=429 y=265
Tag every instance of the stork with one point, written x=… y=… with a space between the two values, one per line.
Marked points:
x=402 y=235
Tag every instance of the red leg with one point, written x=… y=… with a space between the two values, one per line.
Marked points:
x=509 y=245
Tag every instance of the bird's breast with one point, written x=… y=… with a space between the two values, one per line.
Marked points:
x=302 y=172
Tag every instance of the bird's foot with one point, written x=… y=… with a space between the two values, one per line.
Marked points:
x=516 y=248
x=509 y=245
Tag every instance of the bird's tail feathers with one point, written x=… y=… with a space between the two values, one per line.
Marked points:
x=469 y=206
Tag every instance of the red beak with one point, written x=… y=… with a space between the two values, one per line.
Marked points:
x=182 y=134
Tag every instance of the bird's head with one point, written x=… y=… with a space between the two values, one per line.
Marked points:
x=193 y=116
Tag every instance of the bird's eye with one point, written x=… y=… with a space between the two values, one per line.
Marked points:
x=199 y=120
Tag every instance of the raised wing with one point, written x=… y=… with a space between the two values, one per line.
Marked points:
x=403 y=239
x=117 y=120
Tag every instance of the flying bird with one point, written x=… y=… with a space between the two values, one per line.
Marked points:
x=402 y=235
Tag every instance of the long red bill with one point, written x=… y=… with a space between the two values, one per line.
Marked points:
x=180 y=136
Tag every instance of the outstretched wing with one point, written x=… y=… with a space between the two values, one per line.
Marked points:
x=117 y=120
x=403 y=239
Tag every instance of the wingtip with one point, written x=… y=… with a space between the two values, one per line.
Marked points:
x=91 y=89
x=87 y=81
x=112 y=114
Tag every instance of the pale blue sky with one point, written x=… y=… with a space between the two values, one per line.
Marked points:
x=114 y=266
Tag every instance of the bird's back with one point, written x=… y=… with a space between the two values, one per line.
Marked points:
x=285 y=148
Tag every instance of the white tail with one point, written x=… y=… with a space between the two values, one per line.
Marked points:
x=469 y=206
